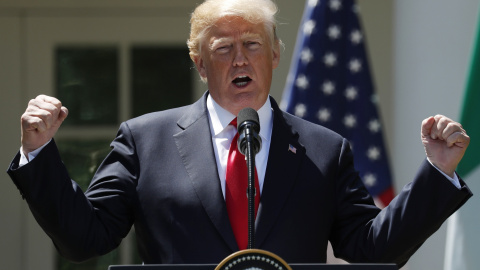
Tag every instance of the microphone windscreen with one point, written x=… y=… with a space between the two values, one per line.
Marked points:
x=247 y=114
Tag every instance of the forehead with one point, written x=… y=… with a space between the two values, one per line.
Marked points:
x=236 y=27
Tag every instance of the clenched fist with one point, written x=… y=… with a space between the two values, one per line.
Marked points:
x=40 y=122
x=445 y=142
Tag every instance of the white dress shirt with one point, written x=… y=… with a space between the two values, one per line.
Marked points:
x=223 y=133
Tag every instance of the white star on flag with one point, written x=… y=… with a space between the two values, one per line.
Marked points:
x=355 y=65
x=369 y=180
x=300 y=110
x=323 y=115
x=330 y=59
x=306 y=56
x=373 y=153
x=335 y=5
x=302 y=82
x=374 y=125
x=334 y=32
x=356 y=37
x=328 y=88
x=349 y=120
x=308 y=27
x=351 y=93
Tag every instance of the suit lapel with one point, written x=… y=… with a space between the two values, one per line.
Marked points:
x=199 y=161
x=282 y=168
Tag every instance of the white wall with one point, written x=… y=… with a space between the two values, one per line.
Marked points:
x=432 y=45
x=12 y=210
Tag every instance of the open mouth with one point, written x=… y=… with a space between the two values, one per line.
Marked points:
x=241 y=81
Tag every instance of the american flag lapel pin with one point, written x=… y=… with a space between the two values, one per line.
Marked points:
x=292 y=149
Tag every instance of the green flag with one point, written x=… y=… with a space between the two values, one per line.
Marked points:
x=470 y=114
x=463 y=233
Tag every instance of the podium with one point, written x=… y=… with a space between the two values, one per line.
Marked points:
x=255 y=259
x=293 y=266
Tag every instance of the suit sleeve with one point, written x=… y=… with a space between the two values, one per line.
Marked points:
x=364 y=234
x=80 y=225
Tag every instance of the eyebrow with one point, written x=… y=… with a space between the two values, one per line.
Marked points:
x=217 y=41
x=249 y=35
x=245 y=36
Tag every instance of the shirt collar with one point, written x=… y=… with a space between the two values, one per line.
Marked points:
x=221 y=118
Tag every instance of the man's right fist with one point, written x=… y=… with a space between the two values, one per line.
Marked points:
x=40 y=122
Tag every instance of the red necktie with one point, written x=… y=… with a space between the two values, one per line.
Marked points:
x=236 y=192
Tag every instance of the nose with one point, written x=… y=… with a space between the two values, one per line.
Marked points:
x=240 y=58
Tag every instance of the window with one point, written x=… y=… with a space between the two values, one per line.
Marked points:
x=89 y=83
x=160 y=78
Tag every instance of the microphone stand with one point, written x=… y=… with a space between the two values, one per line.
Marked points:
x=251 y=192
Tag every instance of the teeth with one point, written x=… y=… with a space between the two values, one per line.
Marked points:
x=241 y=80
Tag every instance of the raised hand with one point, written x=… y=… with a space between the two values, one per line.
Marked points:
x=40 y=122
x=445 y=142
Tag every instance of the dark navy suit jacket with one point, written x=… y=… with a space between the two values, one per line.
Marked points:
x=161 y=177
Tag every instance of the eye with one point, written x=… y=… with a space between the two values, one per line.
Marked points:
x=253 y=44
x=223 y=49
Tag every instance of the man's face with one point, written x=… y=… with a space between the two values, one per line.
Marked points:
x=238 y=60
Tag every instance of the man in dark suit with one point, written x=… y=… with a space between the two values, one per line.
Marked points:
x=166 y=173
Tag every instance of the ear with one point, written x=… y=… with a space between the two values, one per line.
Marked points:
x=199 y=63
x=276 y=55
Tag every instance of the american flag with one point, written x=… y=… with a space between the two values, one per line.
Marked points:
x=330 y=84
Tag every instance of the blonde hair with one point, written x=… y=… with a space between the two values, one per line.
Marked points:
x=210 y=11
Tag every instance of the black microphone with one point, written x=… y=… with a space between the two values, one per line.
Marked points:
x=248 y=127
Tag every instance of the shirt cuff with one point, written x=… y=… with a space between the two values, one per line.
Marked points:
x=455 y=181
x=24 y=160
